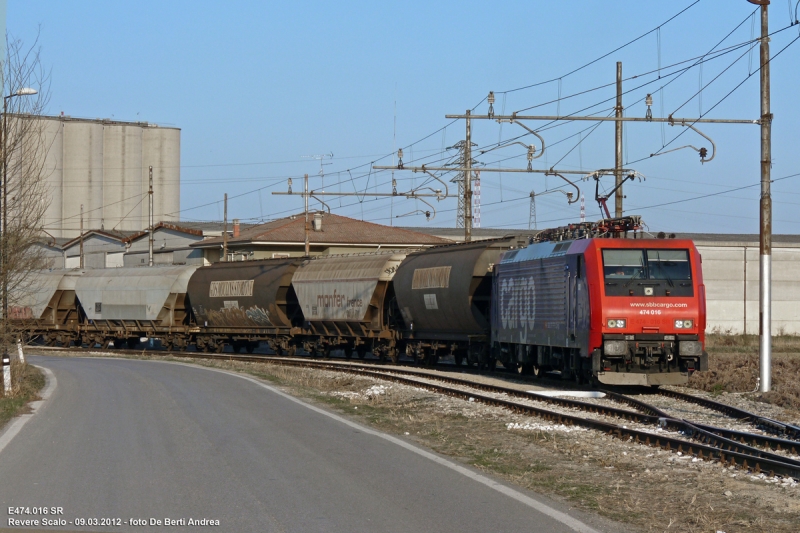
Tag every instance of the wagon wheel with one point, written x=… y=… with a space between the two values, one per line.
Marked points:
x=361 y=351
x=326 y=351
x=132 y=342
x=394 y=355
x=291 y=351
x=219 y=347
x=537 y=371
x=458 y=359
x=105 y=344
x=348 y=352
x=250 y=347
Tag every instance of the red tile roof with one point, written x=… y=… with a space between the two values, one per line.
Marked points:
x=336 y=229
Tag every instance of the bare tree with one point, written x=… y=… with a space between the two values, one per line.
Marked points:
x=24 y=196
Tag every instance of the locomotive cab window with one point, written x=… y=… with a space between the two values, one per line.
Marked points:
x=668 y=264
x=623 y=264
x=651 y=272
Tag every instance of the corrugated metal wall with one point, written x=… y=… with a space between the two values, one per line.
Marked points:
x=104 y=166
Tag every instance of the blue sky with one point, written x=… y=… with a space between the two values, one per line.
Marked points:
x=255 y=86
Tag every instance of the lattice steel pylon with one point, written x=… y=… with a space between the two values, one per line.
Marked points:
x=583 y=208
x=459 y=180
x=532 y=215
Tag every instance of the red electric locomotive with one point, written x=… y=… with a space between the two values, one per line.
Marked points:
x=623 y=311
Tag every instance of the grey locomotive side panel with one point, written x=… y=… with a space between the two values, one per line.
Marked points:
x=531 y=302
x=249 y=294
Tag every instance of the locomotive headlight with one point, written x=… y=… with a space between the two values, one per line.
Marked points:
x=683 y=324
x=617 y=323
x=687 y=324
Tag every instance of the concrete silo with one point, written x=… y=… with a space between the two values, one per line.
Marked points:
x=103 y=164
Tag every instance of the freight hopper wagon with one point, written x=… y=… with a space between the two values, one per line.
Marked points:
x=119 y=305
x=348 y=303
x=243 y=303
x=46 y=308
x=444 y=296
x=621 y=311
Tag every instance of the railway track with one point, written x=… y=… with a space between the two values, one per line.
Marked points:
x=730 y=447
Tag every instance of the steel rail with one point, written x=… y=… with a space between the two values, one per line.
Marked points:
x=724 y=450
x=767 y=424
x=688 y=427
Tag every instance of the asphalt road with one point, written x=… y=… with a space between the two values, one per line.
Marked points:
x=146 y=440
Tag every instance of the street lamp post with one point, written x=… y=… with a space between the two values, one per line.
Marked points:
x=25 y=91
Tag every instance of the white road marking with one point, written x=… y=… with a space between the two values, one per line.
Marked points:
x=16 y=425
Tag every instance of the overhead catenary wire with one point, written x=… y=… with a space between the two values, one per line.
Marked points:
x=720 y=100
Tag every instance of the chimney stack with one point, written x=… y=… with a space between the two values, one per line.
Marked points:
x=235 y=227
x=317 y=221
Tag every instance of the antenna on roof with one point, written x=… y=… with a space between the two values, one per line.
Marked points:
x=321 y=173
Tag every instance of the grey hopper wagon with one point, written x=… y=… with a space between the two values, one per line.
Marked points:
x=124 y=303
x=46 y=306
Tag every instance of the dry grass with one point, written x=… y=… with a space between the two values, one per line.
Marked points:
x=733 y=366
x=27 y=382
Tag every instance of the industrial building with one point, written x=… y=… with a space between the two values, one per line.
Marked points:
x=104 y=165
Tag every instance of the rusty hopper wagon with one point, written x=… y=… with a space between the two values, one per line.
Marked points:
x=346 y=303
x=242 y=303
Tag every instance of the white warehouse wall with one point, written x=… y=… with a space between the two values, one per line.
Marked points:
x=732 y=288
